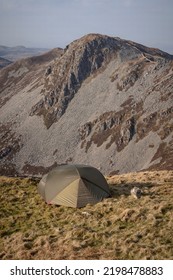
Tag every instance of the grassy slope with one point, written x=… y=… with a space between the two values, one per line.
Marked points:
x=120 y=227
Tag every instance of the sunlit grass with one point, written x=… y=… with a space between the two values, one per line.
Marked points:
x=120 y=227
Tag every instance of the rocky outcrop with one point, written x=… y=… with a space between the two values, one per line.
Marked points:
x=111 y=127
x=81 y=59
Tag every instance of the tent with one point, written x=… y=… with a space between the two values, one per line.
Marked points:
x=73 y=185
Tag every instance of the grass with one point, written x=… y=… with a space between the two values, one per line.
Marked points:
x=120 y=227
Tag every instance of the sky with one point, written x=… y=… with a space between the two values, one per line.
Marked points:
x=55 y=23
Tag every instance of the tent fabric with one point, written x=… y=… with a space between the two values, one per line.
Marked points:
x=73 y=186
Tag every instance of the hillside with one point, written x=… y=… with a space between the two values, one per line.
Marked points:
x=4 y=62
x=120 y=227
x=102 y=101
x=18 y=52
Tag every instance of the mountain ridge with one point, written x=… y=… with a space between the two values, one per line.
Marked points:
x=4 y=62
x=102 y=100
x=18 y=52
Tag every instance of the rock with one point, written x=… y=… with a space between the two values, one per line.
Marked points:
x=103 y=126
x=48 y=71
x=5 y=152
x=110 y=123
x=136 y=192
x=85 y=130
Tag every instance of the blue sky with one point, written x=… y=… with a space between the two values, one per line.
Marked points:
x=55 y=23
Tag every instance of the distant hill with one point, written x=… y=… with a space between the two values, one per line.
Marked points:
x=18 y=52
x=102 y=101
x=4 y=62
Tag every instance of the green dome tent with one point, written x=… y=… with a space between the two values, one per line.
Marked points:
x=73 y=186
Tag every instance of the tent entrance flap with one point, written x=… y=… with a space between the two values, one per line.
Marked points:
x=68 y=196
x=84 y=195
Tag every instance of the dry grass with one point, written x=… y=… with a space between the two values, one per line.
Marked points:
x=120 y=227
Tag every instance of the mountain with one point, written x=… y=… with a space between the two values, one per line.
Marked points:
x=18 y=52
x=4 y=62
x=102 y=101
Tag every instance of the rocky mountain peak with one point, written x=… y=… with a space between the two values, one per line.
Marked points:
x=81 y=59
